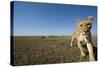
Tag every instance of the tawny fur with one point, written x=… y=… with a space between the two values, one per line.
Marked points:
x=82 y=33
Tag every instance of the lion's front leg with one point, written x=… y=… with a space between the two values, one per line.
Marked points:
x=90 y=49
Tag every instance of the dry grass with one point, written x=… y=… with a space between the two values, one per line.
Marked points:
x=31 y=50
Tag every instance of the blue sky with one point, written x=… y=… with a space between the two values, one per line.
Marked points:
x=49 y=19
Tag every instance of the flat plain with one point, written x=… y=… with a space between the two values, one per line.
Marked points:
x=33 y=50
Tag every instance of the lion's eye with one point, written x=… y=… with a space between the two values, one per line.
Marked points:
x=80 y=24
x=88 y=25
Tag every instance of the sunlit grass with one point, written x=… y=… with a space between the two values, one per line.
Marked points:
x=36 y=50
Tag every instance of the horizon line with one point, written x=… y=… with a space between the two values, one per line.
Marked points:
x=49 y=35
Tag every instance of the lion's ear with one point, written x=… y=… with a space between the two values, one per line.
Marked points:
x=90 y=19
x=78 y=20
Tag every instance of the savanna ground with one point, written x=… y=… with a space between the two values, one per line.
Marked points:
x=30 y=50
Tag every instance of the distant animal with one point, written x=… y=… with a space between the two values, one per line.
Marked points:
x=82 y=33
x=44 y=37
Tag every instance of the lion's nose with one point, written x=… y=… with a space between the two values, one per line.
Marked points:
x=85 y=31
